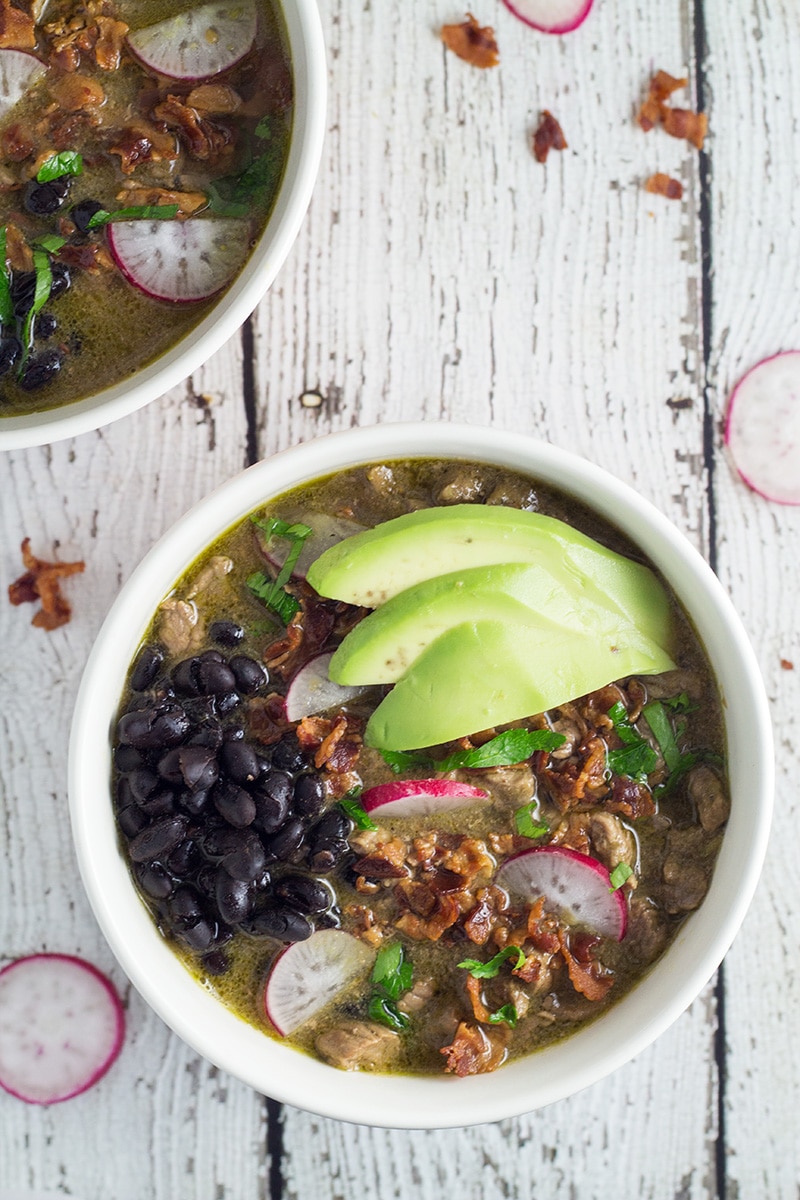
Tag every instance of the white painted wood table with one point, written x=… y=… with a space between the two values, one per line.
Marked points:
x=443 y=273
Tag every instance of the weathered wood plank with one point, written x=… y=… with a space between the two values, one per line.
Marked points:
x=756 y=108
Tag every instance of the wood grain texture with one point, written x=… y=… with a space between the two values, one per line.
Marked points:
x=442 y=273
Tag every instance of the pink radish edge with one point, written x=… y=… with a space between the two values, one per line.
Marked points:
x=100 y=1065
x=312 y=691
x=577 y=883
x=420 y=797
x=307 y=975
x=762 y=427
x=565 y=15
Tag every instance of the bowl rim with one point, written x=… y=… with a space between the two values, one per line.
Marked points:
x=535 y=1080
x=307 y=53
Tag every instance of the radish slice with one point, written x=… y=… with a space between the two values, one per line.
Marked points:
x=551 y=16
x=762 y=431
x=312 y=691
x=572 y=883
x=307 y=975
x=18 y=72
x=180 y=260
x=420 y=797
x=326 y=531
x=199 y=42
x=61 y=1027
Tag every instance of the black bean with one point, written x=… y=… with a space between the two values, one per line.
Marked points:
x=209 y=733
x=131 y=820
x=234 y=897
x=155 y=881
x=153 y=727
x=283 y=924
x=334 y=824
x=240 y=762
x=332 y=919
x=206 y=880
x=247 y=860
x=287 y=840
x=159 y=803
x=233 y=733
x=10 y=352
x=211 y=656
x=158 y=839
x=226 y=633
x=195 y=801
x=184 y=859
x=127 y=758
x=142 y=782
x=278 y=785
x=61 y=280
x=288 y=756
x=184 y=677
x=82 y=213
x=23 y=289
x=124 y=793
x=214 y=678
x=221 y=840
x=146 y=667
x=216 y=962
x=326 y=855
x=226 y=702
x=199 y=937
x=270 y=813
x=304 y=893
x=46 y=325
x=199 y=767
x=309 y=796
x=234 y=804
x=185 y=907
x=41 y=370
x=42 y=199
x=251 y=676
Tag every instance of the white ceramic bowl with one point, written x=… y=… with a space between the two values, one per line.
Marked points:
x=307 y=53
x=523 y=1085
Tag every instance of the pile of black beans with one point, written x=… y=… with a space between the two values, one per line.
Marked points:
x=224 y=835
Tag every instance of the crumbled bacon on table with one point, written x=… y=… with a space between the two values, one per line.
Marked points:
x=473 y=42
x=548 y=136
x=41 y=581
x=678 y=122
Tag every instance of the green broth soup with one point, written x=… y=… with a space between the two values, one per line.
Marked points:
x=142 y=146
x=404 y=901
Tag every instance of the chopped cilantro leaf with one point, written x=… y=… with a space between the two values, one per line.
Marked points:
x=404 y=760
x=513 y=746
x=636 y=758
x=659 y=721
x=507 y=1015
x=526 y=826
x=41 y=294
x=6 y=303
x=391 y=971
x=271 y=591
x=490 y=969
x=281 y=603
x=51 y=242
x=680 y=703
x=352 y=808
x=386 y=1012
x=136 y=212
x=618 y=876
x=68 y=162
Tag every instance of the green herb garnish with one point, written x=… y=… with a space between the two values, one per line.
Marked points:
x=392 y=971
x=351 y=807
x=41 y=294
x=6 y=303
x=51 y=242
x=490 y=969
x=68 y=162
x=513 y=746
x=636 y=758
x=507 y=1015
x=526 y=825
x=271 y=591
x=619 y=875
x=680 y=703
x=405 y=760
x=234 y=195
x=659 y=721
x=136 y=212
x=386 y=1012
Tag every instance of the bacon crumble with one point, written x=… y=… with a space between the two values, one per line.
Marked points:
x=474 y=43
x=548 y=136
x=41 y=581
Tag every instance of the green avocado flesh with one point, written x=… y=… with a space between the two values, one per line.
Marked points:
x=371 y=567
x=540 y=601
x=489 y=673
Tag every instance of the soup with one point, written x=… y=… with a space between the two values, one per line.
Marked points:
x=413 y=886
x=141 y=151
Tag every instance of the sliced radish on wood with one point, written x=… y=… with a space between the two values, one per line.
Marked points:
x=18 y=72
x=180 y=260
x=572 y=883
x=325 y=531
x=551 y=16
x=420 y=797
x=61 y=1027
x=762 y=431
x=199 y=42
x=307 y=975
x=312 y=691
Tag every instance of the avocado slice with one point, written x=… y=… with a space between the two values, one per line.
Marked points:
x=371 y=567
x=539 y=600
x=491 y=672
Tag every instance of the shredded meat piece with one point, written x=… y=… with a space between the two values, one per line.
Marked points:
x=18 y=252
x=663 y=185
x=386 y=861
x=581 y=781
x=203 y=139
x=74 y=93
x=111 y=36
x=178 y=626
x=709 y=797
x=188 y=202
x=16 y=143
x=368 y=928
x=143 y=142
x=444 y=915
x=214 y=99
x=92 y=257
x=474 y=1051
x=266 y=717
x=611 y=841
x=475 y=43
x=41 y=581
x=354 y=1045
x=548 y=136
x=17 y=30
x=587 y=978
